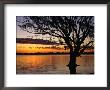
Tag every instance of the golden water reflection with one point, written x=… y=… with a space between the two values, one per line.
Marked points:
x=52 y=64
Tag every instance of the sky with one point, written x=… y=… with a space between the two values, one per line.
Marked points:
x=24 y=34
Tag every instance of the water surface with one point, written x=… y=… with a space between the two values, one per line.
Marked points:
x=52 y=64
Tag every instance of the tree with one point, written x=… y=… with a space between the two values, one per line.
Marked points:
x=72 y=30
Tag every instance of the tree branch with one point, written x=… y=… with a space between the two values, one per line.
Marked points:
x=84 y=47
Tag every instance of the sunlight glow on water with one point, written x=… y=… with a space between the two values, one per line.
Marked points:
x=52 y=64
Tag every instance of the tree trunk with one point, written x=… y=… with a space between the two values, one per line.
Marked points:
x=72 y=64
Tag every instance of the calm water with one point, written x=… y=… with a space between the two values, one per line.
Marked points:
x=52 y=64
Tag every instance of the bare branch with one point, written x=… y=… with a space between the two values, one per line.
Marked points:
x=73 y=29
x=85 y=46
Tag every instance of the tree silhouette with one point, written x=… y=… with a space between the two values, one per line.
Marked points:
x=77 y=32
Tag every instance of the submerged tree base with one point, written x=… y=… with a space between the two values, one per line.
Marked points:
x=72 y=68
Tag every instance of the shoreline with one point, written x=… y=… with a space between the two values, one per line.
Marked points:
x=85 y=53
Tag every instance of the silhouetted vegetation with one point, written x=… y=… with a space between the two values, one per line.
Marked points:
x=71 y=30
x=35 y=41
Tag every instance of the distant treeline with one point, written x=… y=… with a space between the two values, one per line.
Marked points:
x=41 y=41
x=34 y=41
x=54 y=53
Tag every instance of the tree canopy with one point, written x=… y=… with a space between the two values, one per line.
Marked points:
x=72 y=30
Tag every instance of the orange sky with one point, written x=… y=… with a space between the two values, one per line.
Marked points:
x=39 y=48
x=35 y=48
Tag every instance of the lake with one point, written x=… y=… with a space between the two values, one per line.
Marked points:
x=52 y=64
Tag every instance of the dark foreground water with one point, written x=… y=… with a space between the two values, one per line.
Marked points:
x=52 y=64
